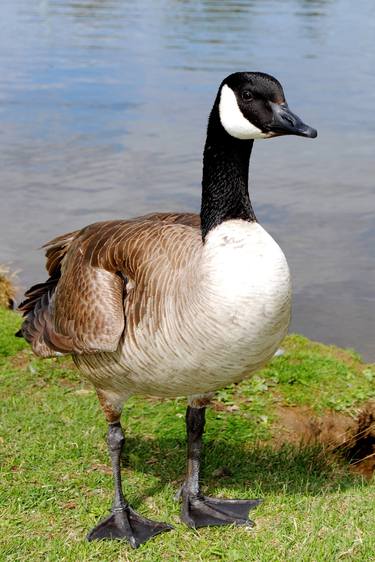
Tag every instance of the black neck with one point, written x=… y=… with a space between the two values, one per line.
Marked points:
x=225 y=193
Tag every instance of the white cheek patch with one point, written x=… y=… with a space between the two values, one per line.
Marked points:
x=233 y=120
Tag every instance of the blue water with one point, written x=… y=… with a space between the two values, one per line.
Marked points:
x=103 y=109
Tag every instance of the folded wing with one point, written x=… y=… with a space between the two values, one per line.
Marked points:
x=81 y=308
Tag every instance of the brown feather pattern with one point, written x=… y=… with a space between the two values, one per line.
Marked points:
x=103 y=276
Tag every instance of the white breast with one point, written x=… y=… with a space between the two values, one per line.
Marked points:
x=243 y=263
x=248 y=293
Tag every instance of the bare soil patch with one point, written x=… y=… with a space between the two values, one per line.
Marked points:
x=352 y=437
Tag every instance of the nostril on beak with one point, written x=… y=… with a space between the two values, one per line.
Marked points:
x=289 y=119
x=284 y=122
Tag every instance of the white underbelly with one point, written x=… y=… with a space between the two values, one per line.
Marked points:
x=228 y=327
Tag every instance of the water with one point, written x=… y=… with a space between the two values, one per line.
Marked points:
x=103 y=108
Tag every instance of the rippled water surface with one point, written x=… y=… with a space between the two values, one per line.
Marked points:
x=103 y=108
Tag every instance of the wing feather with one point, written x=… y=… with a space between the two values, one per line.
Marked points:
x=81 y=308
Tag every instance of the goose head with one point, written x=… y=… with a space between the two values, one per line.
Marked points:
x=252 y=105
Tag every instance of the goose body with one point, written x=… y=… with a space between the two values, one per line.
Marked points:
x=175 y=304
x=220 y=313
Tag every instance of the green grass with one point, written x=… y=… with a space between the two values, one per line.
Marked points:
x=55 y=480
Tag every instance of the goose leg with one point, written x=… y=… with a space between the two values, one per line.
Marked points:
x=124 y=522
x=199 y=510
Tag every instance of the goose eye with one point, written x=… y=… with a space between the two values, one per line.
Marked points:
x=246 y=95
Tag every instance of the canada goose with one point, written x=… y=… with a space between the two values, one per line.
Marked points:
x=173 y=304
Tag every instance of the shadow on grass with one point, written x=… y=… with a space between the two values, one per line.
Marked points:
x=236 y=466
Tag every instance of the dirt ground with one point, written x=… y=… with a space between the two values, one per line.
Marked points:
x=354 y=438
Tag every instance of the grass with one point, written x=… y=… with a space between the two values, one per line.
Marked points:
x=56 y=484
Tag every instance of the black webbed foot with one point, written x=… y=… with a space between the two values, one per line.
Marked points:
x=127 y=524
x=202 y=511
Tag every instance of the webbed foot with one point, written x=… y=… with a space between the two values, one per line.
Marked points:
x=202 y=511
x=127 y=524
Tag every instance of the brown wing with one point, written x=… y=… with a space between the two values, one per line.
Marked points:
x=80 y=308
x=36 y=307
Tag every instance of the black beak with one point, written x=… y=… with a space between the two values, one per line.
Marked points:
x=284 y=122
